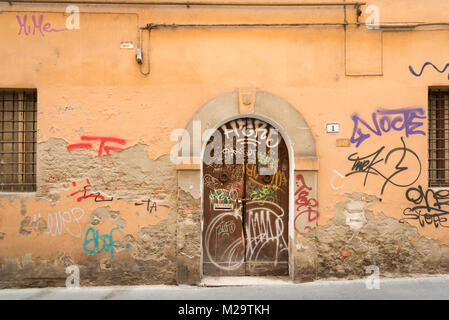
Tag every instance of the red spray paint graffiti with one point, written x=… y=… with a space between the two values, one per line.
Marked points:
x=102 y=147
x=86 y=193
x=305 y=204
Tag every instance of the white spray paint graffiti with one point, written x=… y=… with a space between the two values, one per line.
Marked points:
x=252 y=133
x=231 y=251
x=211 y=182
x=68 y=221
x=265 y=226
x=333 y=179
x=225 y=228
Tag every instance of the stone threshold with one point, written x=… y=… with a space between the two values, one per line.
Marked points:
x=210 y=281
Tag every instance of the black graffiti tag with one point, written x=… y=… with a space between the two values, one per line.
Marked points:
x=367 y=165
x=430 y=206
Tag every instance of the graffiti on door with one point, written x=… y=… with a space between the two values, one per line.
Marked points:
x=222 y=199
x=265 y=233
x=245 y=198
x=261 y=194
x=229 y=257
x=241 y=141
x=278 y=180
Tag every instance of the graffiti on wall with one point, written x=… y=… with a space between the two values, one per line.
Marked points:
x=28 y=225
x=92 y=241
x=424 y=66
x=332 y=181
x=429 y=207
x=306 y=207
x=103 y=147
x=383 y=121
x=86 y=193
x=35 y=25
x=375 y=164
x=149 y=205
x=67 y=221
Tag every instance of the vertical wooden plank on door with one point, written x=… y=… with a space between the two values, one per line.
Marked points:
x=246 y=200
x=266 y=214
x=223 y=241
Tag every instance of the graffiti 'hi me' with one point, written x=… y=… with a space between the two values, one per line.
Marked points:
x=35 y=24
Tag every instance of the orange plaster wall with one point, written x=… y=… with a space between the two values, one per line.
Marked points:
x=87 y=85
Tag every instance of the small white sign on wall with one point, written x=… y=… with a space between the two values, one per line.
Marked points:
x=126 y=45
x=332 y=127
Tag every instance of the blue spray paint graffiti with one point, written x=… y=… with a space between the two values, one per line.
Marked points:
x=396 y=119
x=92 y=237
x=424 y=66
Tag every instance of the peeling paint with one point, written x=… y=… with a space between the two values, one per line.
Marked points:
x=100 y=214
x=344 y=250
x=65 y=260
x=28 y=225
x=147 y=253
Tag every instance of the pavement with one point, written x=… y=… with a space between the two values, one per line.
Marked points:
x=422 y=288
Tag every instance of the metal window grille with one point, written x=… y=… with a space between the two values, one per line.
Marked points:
x=18 y=140
x=438 y=118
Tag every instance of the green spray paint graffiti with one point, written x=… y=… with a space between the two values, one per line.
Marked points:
x=92 y=239
x=221 y=197
x=262 y=193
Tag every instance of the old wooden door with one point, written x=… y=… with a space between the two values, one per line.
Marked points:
x=245 y=179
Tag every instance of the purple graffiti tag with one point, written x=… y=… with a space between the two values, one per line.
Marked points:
x=383 y=121
x=38 y=25
x=23 y=25
x=424 y=66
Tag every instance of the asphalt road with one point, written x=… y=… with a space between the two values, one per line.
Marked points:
x=429 y=288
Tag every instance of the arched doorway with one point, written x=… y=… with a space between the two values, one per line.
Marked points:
x=246 y=173
x=303 y=161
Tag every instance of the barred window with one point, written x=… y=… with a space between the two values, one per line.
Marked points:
x=18 y=140
x=438 y=137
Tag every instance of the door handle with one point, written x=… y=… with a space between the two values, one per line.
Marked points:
x=240 y=200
